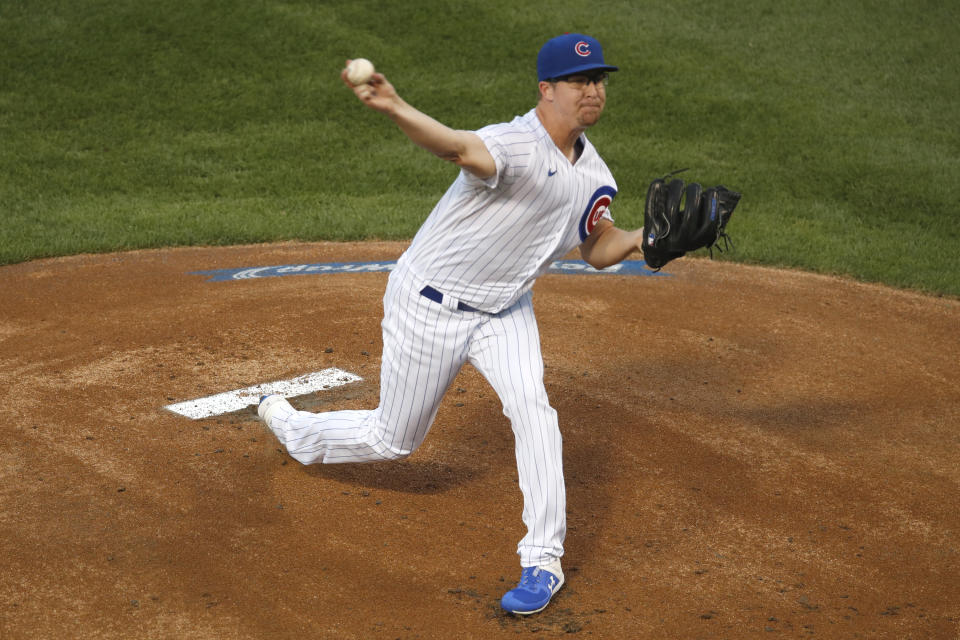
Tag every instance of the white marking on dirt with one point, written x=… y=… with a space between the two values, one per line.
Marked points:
x=230 y=401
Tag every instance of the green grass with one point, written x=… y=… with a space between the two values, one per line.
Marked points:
x=126 y=124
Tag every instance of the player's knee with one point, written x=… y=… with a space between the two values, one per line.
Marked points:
x=383 y=450
x=305 y=458
x=395 y=453
x=533 y=407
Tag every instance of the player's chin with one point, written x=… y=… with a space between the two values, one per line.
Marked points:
x=590 y=115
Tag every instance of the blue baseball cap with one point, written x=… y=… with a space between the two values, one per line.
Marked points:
x=569 y=54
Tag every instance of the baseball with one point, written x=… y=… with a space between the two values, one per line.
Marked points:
x=359 y=71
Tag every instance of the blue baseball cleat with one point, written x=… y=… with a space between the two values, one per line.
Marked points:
x=537 y=586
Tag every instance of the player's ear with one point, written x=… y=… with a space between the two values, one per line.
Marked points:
x=546 y=90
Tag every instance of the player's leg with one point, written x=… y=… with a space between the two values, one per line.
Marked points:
x=506 y=350
x=424 y=346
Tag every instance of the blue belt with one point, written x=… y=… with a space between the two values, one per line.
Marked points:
x=432 y=294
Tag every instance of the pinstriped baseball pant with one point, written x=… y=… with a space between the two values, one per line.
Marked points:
x=425 y=344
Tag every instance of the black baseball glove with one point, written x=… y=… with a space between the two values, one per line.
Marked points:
x=679 y=218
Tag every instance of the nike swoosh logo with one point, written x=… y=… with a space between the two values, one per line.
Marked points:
x=550 y=173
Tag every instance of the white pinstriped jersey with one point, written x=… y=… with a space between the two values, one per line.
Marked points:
x=487 y=241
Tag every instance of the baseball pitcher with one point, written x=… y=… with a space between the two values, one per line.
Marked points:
x=528 y=192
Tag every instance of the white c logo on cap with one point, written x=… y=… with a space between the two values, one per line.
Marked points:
x=582 y=48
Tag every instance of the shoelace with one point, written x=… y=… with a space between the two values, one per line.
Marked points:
x=529 y=578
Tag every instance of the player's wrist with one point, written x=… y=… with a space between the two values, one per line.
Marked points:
x=400 y=111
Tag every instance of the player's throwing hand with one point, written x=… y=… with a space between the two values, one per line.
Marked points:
x=377 y=93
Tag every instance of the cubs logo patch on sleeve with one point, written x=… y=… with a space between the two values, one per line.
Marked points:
x=599 y=205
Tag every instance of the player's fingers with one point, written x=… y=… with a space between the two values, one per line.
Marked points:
x=381 y=86
x=365 y=92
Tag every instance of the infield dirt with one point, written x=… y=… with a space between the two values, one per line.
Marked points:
x=748 y=452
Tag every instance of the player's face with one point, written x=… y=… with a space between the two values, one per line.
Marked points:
x=582 y=97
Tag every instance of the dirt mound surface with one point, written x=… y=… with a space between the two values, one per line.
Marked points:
x=748 y=453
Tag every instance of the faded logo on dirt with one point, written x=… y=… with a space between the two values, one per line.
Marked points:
x=578 y=267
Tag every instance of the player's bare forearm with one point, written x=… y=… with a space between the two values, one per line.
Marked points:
x=608 y=245
x=463 y=148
